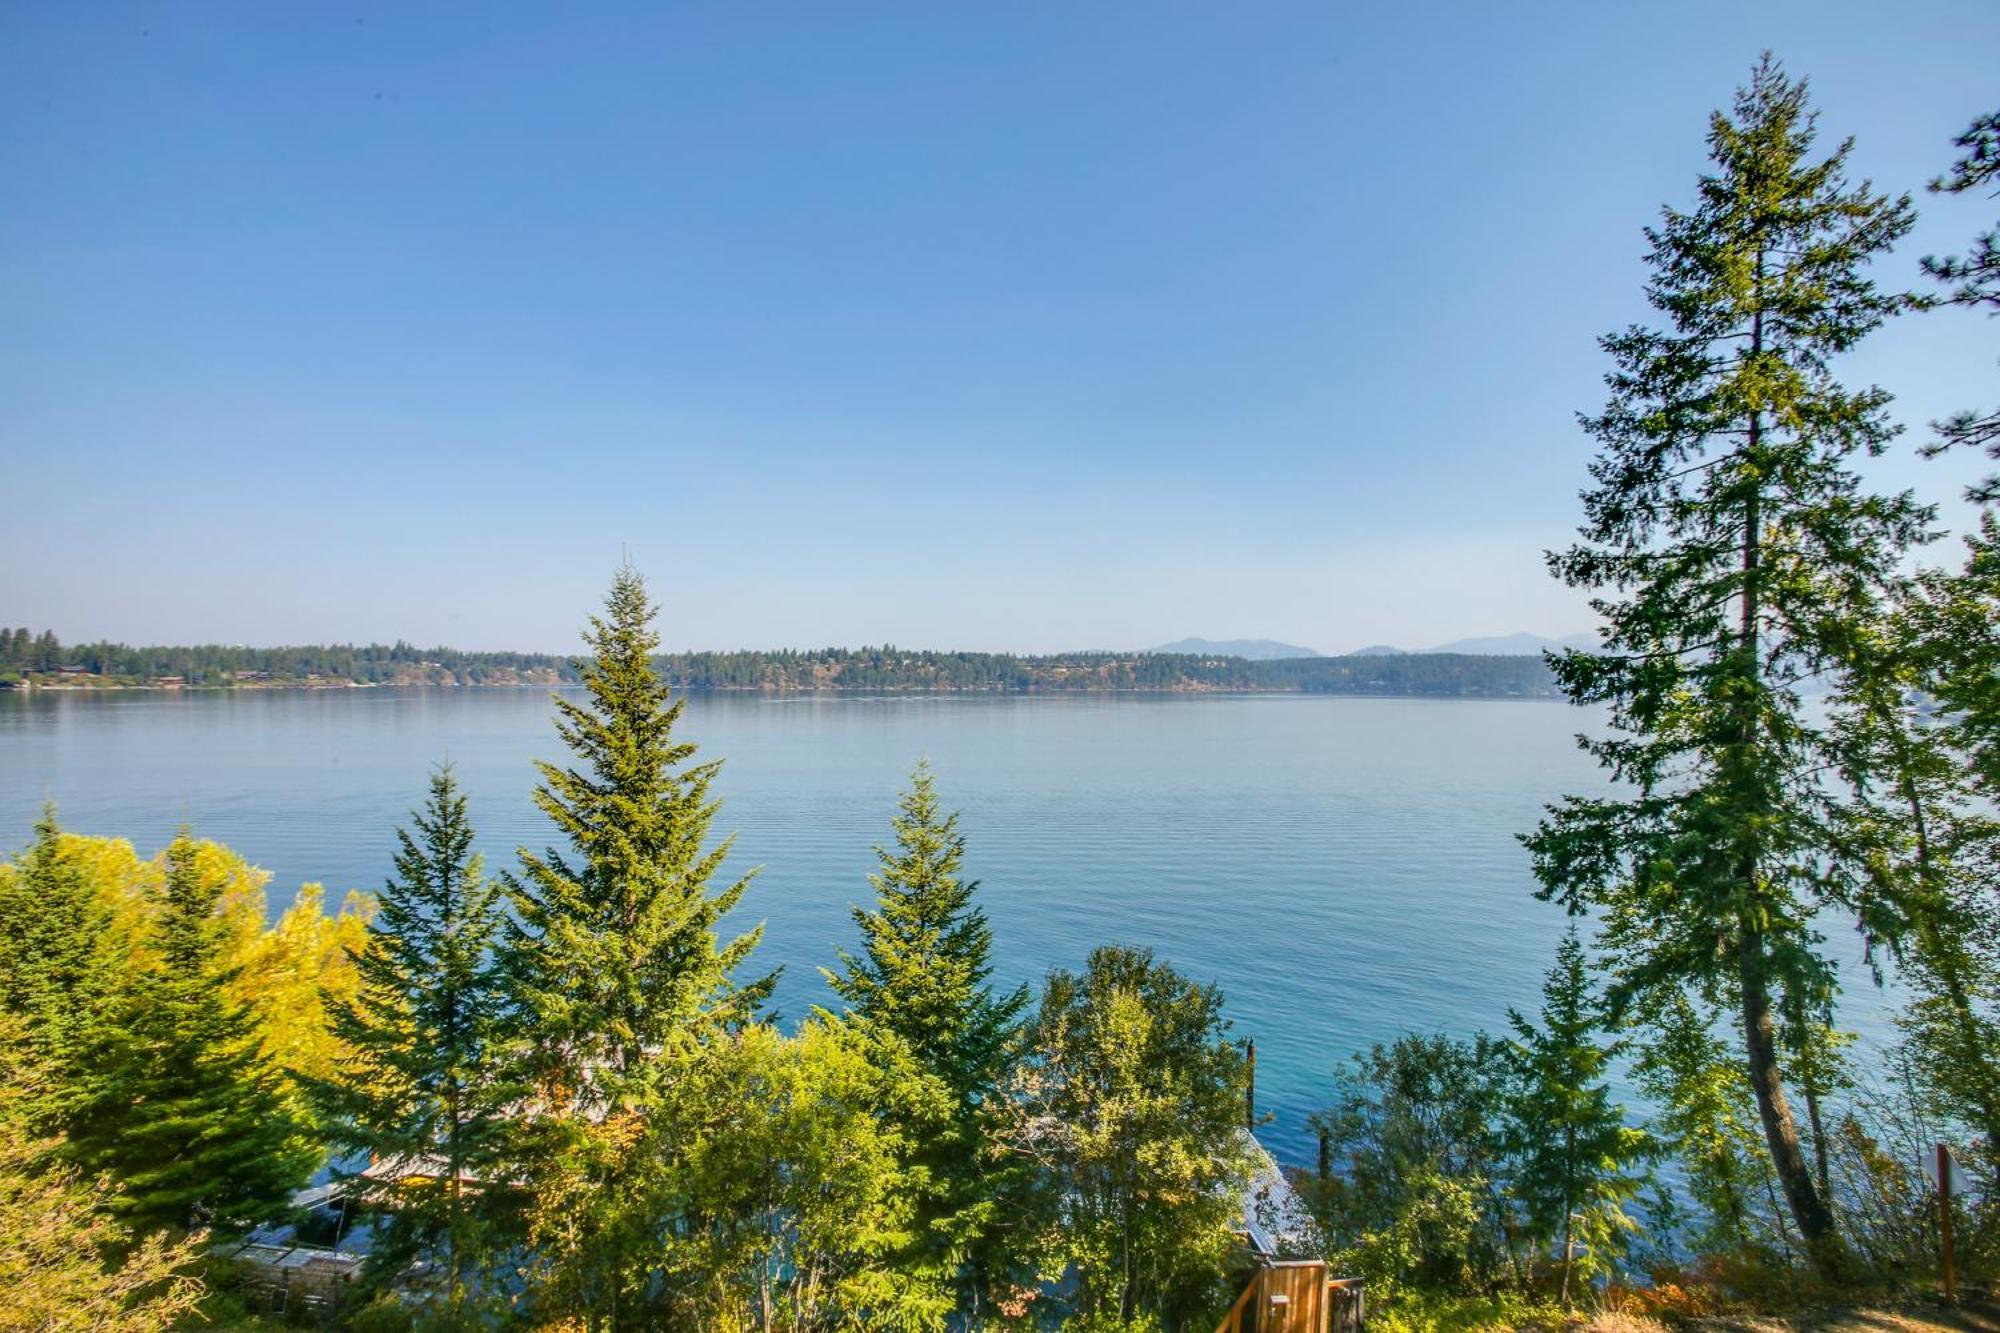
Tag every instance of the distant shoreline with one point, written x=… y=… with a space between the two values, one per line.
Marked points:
x=822 y=691
x=41 y=663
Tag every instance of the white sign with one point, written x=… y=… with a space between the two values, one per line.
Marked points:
x=1961 y=1186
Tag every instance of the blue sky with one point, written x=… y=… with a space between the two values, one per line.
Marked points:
x=1033 y=326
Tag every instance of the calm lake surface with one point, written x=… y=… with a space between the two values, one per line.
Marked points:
x=1345 y=868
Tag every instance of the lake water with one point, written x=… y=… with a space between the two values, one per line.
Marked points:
x=1345 y=868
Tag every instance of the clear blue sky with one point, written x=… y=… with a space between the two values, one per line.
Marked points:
x=1028 y=326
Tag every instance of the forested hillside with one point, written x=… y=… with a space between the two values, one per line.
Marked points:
x=42 y=659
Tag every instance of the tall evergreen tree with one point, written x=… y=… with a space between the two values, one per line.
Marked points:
x=1736 y=555
x=1963 y=610
x=1577 y=1164
x=614 y=947
x=613 y=969
x=418 y=1086
x=1930 y=844
x=1932 y=821
x=191 y=1120
x=56 y=976
x=923 y=979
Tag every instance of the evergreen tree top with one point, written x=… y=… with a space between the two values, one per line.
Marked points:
x=613 y=947
x=924 y=972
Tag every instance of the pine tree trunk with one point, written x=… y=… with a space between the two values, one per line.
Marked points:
x=1822 y=1168
x=1569 y=1209
x=1781 y=1132
x=1569 y=1256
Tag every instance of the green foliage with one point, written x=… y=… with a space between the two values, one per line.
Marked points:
x=189 y=1116
x=1972 y=280
x=922 y=983
x=899 y=669
x=924 y=973
x=1705 y=1114
x=1416 y=1198
x=1577 y=1165
x=57 y=969
x=1916 y=733
x=613 y=972
x=802 y=1191
x=1451 y=1312
x=230 y=664
x=65 y=1264
x=1736 y=555
x=1929 y=828
x=1132 y=1104
x=418 y=1088
x=763 y=1179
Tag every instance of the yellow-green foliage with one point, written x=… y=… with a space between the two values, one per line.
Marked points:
x=783 y=1175
x=64 y=1263
x=288 y=973
x=294 y=974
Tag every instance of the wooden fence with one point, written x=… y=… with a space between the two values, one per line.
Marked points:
x=1296 y=1296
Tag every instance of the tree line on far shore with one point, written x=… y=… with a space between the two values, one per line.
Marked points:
x=44 y=659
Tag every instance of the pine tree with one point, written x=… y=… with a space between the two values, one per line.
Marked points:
x=419 y=1087
x=1934 y=821
x=614 y=947
x=1736 y=556
x=613 y=970
x=1931 y=847
x=55 y=975
x=191 y=1120
x=1577 y=1163
x=924 y=979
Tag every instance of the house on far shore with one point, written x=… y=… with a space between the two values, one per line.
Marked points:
x=169 y=682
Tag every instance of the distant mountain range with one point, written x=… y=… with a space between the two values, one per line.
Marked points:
x=1251 y=650
x=1522 y=644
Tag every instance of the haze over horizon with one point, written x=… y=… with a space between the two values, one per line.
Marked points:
x=1015 y=330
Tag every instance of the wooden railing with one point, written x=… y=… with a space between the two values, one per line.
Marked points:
x=1296 y=1296
x=1346 y=1305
